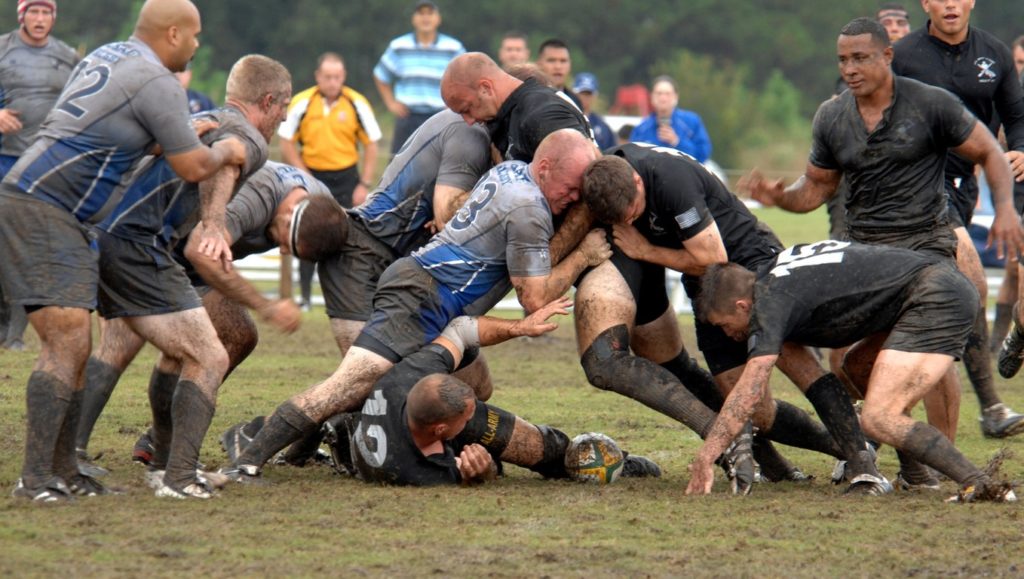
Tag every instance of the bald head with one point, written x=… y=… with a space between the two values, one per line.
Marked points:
x=475 y=87
x=467 y=69
x=565 y=143
x=436 y=399
x=170 y=28
x=558 y=165
x=157 y=16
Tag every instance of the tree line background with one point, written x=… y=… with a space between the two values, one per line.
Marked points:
x=754 y=69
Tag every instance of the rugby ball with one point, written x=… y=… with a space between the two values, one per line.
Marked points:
x=594 y=458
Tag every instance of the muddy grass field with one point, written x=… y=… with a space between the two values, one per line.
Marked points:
x=312 y=521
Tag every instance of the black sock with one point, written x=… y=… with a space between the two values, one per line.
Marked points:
x=927 y=445
x=696 y=379
x=912 y=471
x=609 y=366
x=161 y=397
x=552 y=465
x=100 y=380
x=47 y=400
x=774 y=466
x=794 y=427
x=302 y=451
x=1001 y=325
x=978 y=361
x=286 y=425
x=830 y=400
x=192 y=412
x=65 y=460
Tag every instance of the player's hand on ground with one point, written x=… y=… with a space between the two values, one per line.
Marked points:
x=630 y=241
x=764 y=191
x=475 y=463
x=203 y=126
x=702 y=476
x=214 y=245
x=1006 y=234
x=1016 y=161
x=595 y=247
x=283 y=314
x=537 y=323
x=9 y=121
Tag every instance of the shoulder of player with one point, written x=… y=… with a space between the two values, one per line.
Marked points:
x=914 y=92
x=7 y=42
x=63 y=50
x=986 y=43
x=832 y=109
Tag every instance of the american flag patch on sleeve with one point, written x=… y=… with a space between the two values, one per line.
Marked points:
x=688 y=219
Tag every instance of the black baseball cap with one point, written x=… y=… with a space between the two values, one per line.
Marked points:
x=424 y=4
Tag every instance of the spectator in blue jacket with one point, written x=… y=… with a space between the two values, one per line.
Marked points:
x=670 y=126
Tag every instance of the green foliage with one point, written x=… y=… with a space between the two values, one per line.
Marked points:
x=737 y=115
x=206 y=79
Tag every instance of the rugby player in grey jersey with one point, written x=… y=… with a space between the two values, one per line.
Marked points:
x=279 y=206
x=121 y=102
x=140 y=281
x=34 y=66
x=499 y=238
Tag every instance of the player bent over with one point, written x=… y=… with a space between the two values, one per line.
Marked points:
x=279 y=206
x=831 y=294
x=684 y=218
x=500 y=237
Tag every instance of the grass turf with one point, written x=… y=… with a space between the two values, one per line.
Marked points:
x=312 y=521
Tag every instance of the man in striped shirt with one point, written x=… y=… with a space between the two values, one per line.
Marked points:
x=408 y=74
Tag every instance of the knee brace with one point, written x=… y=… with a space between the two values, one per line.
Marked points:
x=604 y=356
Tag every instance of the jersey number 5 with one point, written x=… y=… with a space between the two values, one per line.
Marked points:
x=818 y=253
x=99 y=76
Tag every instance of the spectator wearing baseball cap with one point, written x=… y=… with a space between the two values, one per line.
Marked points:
x=585 y=88
x=408 y=74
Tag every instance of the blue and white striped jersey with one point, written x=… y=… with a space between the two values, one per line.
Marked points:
x=443 y=151
x=415 y=70
x=503 y=230
x=119 y=102
x=158 y=207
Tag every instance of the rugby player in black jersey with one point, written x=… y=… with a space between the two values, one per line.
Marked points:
x=419 y=426
x=889 y=136
x=974 y=65
x=911 y=312
x=680 y=216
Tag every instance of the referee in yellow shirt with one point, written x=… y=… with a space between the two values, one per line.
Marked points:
x=325 y=128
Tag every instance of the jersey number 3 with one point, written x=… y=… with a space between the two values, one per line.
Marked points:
x=467 y=213
x=98 y=77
